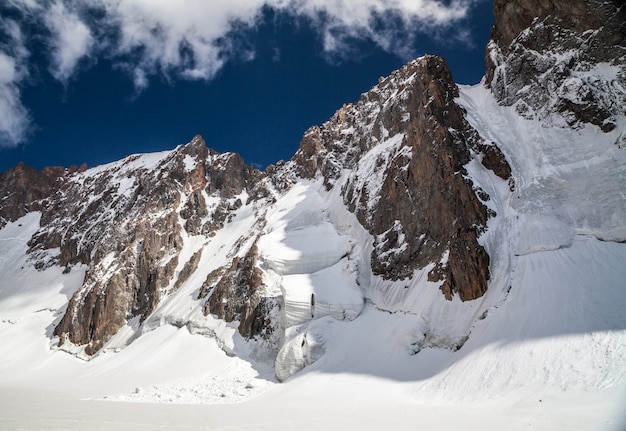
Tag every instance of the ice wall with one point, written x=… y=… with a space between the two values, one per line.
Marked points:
x=330 y=292
x=304 y=345
x=315 y=272
x=303 y=250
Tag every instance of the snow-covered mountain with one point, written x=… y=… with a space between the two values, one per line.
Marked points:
x=430 y=245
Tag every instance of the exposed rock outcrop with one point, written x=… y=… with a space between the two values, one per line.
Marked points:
x=235 y=293
x=126 y=221
x=23 y=189
x=406 y=142
x=542 y=57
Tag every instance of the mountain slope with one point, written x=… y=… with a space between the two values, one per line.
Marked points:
x=429 y=247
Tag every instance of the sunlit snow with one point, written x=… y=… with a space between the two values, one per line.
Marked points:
x=545 y=348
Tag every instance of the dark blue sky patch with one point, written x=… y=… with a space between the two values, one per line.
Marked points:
x=256 y=105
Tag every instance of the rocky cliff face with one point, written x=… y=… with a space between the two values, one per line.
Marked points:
x=405 y=144
x=396 y=161
x=23 y=189
x=125 y=222
x=233 y=293
x=546 y=59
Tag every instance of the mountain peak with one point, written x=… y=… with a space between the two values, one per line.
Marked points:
x=412 y=114
x=513 y=17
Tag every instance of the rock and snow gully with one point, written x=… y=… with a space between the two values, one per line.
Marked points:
x=462 y=244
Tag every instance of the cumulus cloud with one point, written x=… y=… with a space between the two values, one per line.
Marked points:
x=193 y=39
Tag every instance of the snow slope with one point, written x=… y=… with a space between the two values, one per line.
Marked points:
x=544 y=349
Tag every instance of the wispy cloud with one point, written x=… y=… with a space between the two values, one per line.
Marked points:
x=392 y=24
x=182 y=38
x=192 y=39
x=71 y=40
x=14 y=118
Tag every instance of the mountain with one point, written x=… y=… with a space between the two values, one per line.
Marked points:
x=470 y=240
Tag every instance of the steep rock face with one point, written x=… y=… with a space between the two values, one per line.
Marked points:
x=127 y=221
x=235 y=293
x=405 y=143
x=23 y=189
x=546 y=59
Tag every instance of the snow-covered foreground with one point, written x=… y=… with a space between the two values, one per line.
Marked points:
x=545 y=348
x=552 y=356
x=23 y=410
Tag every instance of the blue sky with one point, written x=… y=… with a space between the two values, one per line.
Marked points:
x=94 y=81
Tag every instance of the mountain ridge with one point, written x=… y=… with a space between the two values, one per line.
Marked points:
x=415 y=198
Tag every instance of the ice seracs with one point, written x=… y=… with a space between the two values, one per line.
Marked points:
x=315 y=272
x=305 y=249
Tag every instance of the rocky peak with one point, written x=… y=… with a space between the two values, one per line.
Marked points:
x=562 y=62
x=512 y=17
x=356 y=128
x=405 y=143
x=126 y=221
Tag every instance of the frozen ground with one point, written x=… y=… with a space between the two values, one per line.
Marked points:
x=546 y=347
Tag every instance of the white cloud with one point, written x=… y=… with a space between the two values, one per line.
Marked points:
x=391 y=24
x=190 y=38
x=193 y=39
x=156 y=34
x=71 y=40
x=14 y=118
x=7 y=69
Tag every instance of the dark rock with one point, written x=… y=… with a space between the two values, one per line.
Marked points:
x=234 y=293
x=131 y=241
x=23 y=189
x=540 y=55
x=414 y=199
x=194 y=211
x=308 y=151
x=229 y=175
x=190 y=267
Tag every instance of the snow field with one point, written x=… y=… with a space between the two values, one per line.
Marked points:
x=557 y=331
x=573 y=176
x=24 y=291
